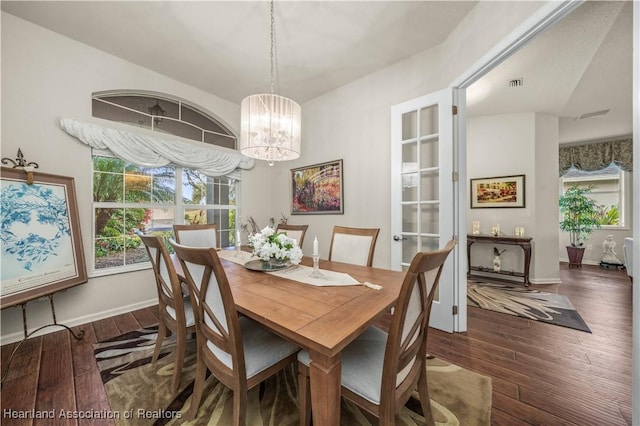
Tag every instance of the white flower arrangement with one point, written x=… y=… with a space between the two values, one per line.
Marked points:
x=268 y=244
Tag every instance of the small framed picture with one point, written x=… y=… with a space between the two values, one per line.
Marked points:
x=498 y=192
x=317 y=189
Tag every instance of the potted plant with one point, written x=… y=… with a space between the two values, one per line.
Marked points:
x=579 y=219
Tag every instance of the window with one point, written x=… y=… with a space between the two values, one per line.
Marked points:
x=608 y=191
x=164 y=115
x=128 y=197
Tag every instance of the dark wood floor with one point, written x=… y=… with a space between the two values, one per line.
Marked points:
x=541 y=374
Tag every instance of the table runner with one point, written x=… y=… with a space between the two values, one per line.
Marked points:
x=298 y=273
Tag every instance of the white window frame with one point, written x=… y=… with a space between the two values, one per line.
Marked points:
x=621 y=192
x=179 y=208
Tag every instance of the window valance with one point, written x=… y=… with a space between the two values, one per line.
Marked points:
x=597 y=156
x=150 y=149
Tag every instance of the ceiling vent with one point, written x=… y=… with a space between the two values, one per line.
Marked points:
x=593 y=114
x=518 y=82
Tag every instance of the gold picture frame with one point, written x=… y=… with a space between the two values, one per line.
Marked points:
x=498 y=192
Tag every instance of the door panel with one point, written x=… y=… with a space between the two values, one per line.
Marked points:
x=422 y=189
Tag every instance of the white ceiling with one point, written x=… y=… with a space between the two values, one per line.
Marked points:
x=222 y=47
x=581 y=65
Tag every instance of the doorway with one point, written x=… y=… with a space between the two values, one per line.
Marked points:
x=547 y=16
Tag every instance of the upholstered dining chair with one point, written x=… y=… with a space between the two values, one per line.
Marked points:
x=296 y=232
x=380 y=371
x=176 y=313
x=197 y=235
x=353 y=245
x=239 y=352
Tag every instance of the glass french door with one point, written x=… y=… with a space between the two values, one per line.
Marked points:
x=422 y=194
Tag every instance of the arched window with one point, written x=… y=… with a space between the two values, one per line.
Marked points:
x=129 y=197
x=162 y=114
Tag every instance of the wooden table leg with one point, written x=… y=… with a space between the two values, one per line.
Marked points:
x=325 y=375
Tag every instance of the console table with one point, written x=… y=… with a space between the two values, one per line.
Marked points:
x=524 y=242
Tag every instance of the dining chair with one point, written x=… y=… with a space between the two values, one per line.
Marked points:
x=197 y=235
x=353 y=245
x=176 y=313
x=381 y=370
x=239 y=352
x=295 y=232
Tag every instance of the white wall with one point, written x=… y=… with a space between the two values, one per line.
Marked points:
x=506 y=145
x=546 y=213
x=46 y=76
x=353 y=123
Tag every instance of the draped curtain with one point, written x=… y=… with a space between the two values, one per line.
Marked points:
x=597 y=156
x=151 y=149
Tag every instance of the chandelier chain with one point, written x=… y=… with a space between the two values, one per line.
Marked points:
x=273 y=38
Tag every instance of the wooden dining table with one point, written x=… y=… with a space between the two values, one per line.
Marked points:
x=322 y=320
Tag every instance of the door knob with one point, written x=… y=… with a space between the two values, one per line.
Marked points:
x=398 y=238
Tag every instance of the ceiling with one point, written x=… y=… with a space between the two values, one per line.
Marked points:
x=222 y=47
x=581 y=65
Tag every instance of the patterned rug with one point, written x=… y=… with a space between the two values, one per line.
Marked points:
x=138 y=392
x=525 y=302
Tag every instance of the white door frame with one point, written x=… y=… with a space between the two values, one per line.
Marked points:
x=550 y=13
x=546 y=16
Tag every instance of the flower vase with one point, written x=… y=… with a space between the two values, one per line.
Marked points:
x=276 y=263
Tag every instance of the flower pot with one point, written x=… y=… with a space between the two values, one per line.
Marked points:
x=575 y=256
x=275 y=263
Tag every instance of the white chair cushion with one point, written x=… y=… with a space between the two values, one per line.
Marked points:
x=188 y=312
x=352 y=249
x=262 y=348
x=198 y=238
x=362 y=362
x=294 y=235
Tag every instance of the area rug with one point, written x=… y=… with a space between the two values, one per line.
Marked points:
x=138 y=391
x=525 y=302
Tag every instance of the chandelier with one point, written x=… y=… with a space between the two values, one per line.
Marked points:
x=157 y=113
x=270 y=125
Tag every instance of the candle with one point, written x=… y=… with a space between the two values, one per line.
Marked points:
x=237 y=238
x=476 y=227
x=315 y=246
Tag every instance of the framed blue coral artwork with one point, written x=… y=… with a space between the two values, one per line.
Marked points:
x=40 y=234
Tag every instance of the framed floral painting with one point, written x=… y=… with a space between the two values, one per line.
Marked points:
x=41 y=243
x=317 y=189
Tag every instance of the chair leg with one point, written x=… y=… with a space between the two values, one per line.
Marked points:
x=240 y=407
x=304 y=395
x=179 y=360
x=425 y=401
x=201 y=375
x=162 y=333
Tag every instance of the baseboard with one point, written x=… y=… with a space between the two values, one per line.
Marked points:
x=546 y=281
x=584 y=262
x=506 y=280
x=16 y=337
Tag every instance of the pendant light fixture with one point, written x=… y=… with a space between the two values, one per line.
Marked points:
x=270 y=125
x=157 y=112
